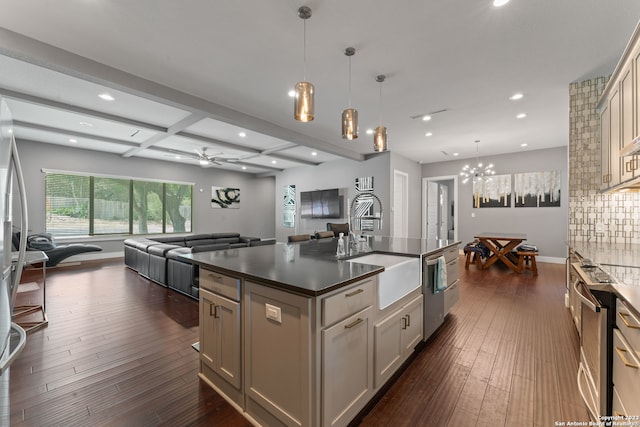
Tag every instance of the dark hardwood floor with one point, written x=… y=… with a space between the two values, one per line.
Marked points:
x=117 y=352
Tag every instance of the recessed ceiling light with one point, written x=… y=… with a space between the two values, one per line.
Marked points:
x=516 y=96
x=524 y=144
x=273 y=162
x=73 y=141
x=86 y=124
x=244 y=168
x=291 y=93
x=242 y=134
x=204 y=162
x=426 y=118
x=314 y=153
x=428 y=134
x=106 y=97
x=521 y=116
x=369 y=131
x=498 y=3
x=456 y=154
x=177 y=157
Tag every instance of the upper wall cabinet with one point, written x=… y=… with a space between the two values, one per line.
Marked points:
x=618 y=108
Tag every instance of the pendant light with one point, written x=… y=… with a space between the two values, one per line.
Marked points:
x=380 y=133
x=350 y=115
x=303 y=105
x=478 y=173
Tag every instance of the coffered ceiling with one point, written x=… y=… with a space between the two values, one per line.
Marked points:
x=196 y=76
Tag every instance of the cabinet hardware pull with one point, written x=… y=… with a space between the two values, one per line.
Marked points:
x=216 y=313
x=408 y=320
x=633 y=164
x=212 y=309
x=621 y=354
x=623 y=316
x=356 y=292
x=404 y=322
x=354 y=323
x=627 y=166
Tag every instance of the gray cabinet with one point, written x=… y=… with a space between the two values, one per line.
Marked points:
x=221 y=334
x=626 y=362
x=395 y=337
x=347 y=368
x=619 y=125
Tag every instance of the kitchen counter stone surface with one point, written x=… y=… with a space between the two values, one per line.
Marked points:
x=622 y=262
x=312 y=268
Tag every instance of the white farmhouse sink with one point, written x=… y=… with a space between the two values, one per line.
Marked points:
x=401 y=275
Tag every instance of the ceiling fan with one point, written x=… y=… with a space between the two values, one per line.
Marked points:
x=206 y=159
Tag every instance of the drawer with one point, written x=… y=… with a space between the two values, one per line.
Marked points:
x=451 y=296
x=626 y=373
x=347 y=302
x=450 y=254
x=220 y=284
x=629 y=325
x=452 y=271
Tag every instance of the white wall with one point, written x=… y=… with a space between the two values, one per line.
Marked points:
x=545 y=227
x=255 y=217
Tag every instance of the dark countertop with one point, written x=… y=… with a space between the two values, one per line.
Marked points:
x=619 y=260
x=311 y=268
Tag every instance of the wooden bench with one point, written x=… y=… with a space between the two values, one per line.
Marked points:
x=527 y=261
x=473 y=253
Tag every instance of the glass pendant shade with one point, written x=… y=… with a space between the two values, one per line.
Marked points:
x=350 y=124
x=380 y=139
x=303 y=105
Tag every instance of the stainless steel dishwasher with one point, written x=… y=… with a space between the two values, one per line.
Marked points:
x=433 y=300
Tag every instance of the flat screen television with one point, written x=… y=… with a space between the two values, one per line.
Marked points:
x=320 y=204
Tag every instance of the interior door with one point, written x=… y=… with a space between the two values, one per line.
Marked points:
x=443 y=212
x=400 y=204
x=432 y=210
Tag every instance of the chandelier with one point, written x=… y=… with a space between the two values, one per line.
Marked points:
x=478 y=173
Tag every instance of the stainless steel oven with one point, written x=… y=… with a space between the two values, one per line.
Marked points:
x=597 y=311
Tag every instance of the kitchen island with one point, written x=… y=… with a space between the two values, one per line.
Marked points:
x=291 y=334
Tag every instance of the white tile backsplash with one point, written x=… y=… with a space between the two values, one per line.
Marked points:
x=618 y=213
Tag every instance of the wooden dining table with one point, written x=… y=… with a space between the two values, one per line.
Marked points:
x=501 y=246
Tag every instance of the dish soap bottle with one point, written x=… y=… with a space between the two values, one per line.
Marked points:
x=341 y=251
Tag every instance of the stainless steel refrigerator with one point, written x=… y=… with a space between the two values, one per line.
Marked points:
x=12 y=336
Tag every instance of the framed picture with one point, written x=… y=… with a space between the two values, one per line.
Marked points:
x=225 y=197
x=492 y=192
x=537 y=189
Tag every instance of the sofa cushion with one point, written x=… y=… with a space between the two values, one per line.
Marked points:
x=224 y=235
x=198 y=237
x=211 y=247
x=174 y=240
x=175 y=254
x=161 y=249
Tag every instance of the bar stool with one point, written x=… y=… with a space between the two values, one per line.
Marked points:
x=527 y=261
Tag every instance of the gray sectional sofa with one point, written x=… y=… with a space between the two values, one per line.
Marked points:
x=159 y=258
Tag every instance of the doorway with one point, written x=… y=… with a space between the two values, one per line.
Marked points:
x=440 y=207
x=400 y=208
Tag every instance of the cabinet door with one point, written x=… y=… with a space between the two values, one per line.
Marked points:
x=629 y=163
x=220 y=336
x=605 y=149
x=208 y=329
x=614 y=132
x=347 y=368
x=412 y=325
x=229 y=362
x=388 y=346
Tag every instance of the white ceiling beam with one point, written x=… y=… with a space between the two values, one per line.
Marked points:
x=33 y=51
x=172 y=130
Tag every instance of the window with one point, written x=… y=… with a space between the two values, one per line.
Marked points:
x=81 y=205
